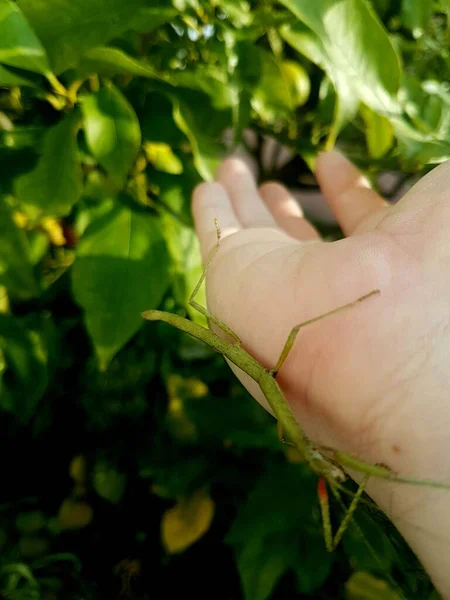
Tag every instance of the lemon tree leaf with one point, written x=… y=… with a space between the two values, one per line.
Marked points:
x=55 y=184
x=364 y=586
x=68 y=29
x=112 y=131
x=16 y=272
x=19 y=45
x=25 y=357
x=278 y=530
x=111 y=61
x=121 y=269
x=379 y=132
x=356 y=46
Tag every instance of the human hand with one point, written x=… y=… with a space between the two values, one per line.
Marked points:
x=373 y=380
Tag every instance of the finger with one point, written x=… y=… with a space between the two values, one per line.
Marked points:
x=240 y=184
x=347 y=192
x=287 y=212
x=209 y=202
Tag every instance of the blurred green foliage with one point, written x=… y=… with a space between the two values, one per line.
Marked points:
x=132 y=461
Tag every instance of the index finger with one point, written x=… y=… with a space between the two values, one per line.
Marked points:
x=210 y=201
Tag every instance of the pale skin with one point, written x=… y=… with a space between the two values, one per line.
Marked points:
x=373 y=380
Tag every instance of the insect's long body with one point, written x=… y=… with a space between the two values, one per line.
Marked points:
x=269 y=387
x=329 y=469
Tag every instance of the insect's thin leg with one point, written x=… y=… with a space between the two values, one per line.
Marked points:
x=294 y=332
x=325 y=510
x=201 y=309
x=350 y=512
x=336 y=489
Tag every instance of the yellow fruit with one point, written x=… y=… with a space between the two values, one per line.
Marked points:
x=297 y=82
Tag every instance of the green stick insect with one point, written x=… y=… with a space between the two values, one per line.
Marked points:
x=328 y=466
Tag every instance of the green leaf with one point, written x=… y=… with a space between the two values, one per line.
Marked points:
x=19 y=45
x=367 y=545
x=211 y=81
x=10 y=77
x=416 y=14
x=157 y=123
x=379 y=133
x=26 y=359
x=108 y=482
x=121 y=270
x=244 y=68
x=112 y=130
x=283 y=499
x=150 y=18
x=69 y=29
x=55 y=184
x=261 y=563
x=113 y=61
x=308 y=43
x=356 y=46
x=278 y=529
x=418 y=149
x=16 y=271
x=182 y=242
x=203 y=127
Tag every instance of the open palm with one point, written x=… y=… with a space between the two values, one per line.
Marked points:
x=368 y=380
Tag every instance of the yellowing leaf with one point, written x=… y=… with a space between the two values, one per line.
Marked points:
x=190 y=387
x=364 y=586
x=186 y=522
x=162 y=158
x=54 y=231
x=77 y=469
x=74 y=515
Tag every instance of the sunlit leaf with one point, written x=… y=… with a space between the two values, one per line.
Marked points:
x=379 y=133
x=161 y=157
x=308 y=43
x=112 y=131
x=122 y=250
x=356 y=46
x=68 y=30
x=19 y=45
x=112 y=61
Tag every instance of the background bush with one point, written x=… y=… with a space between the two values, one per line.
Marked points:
x=133 y=464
